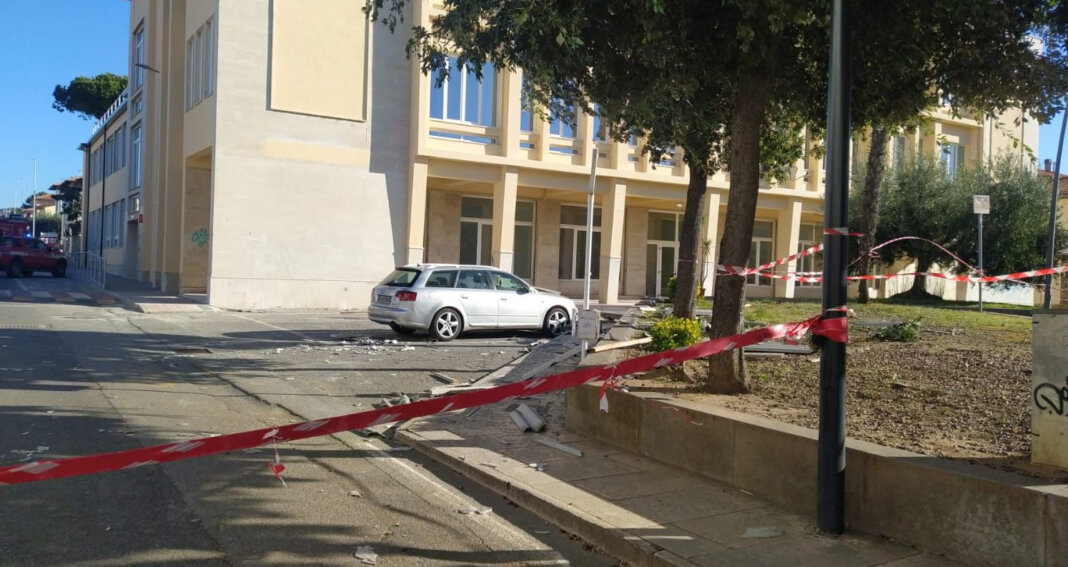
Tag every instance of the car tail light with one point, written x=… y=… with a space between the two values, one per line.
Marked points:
x=406 y=296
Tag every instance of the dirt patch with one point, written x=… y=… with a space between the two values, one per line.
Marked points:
x=953 y=394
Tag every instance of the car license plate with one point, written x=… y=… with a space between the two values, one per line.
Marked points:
x=384 y=298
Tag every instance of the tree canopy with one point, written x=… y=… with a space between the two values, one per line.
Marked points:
x=89 y=97
x=920 y=199
x=734 y=83
x=69 y=193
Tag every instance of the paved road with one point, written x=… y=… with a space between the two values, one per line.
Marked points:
x=78 y=379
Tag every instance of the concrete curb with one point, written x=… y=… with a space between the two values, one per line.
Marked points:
x=612 y=540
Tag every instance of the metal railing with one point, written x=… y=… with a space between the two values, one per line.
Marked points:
x=88 y=266
x=115 y=106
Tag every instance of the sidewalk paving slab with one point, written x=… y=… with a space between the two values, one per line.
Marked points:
x=641 y=511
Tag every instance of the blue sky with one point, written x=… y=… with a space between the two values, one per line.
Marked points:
x=44 y=43
x=48 y=42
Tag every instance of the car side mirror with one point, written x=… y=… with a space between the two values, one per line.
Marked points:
x=523 y=290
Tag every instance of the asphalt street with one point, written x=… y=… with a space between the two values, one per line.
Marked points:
x=85 y=377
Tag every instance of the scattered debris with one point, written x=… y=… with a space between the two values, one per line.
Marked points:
x=366 y=554
x=490 y=465
x=278 y=350
x=399 y=449
x=542 y=532
x=442 y=378
x=540 y=467
x=763 y=532
x=527 y=419
x=560 y=446
x=898 y=385
x=477 y=511
x=355 y=494
x=407 y=348
x=619 y=344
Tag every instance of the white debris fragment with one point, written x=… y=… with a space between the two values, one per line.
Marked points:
x=355 y=494
x=490 y=465
x=366 y=554
x=407 y=348
x=278 y=350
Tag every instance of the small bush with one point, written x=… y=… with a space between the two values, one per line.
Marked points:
x=906 y=332
x=675 y=332
x=673 y=282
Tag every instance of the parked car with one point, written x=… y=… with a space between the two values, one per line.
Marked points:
x=21 y=256
x=448 y=299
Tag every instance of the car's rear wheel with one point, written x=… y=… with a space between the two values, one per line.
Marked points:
x=557 y=322
x=401 y=330
x=446 y=325
x=14 y=270
x=60 y=269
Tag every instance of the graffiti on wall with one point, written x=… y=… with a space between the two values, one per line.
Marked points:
x=1051 y=397
x=200 y=237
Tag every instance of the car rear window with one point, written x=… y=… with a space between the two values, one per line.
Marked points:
x=441 y=278
x=403 y=277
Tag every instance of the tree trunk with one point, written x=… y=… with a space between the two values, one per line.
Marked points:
x=919 y=283
x=869 y=204
x=726 y=372
x=690 y=237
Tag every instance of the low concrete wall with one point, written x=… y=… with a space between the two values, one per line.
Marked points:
x=968 y=513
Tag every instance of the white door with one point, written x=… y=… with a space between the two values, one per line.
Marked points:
x=517 y=307
x=660 y=264
x=478 y=298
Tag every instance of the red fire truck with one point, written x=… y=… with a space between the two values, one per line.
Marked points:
x=10 y=226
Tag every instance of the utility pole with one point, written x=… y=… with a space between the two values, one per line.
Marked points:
x=1047 y=299
x=830 y=499
x=33 y=202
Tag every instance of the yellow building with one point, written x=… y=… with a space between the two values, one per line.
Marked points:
x=288 y=155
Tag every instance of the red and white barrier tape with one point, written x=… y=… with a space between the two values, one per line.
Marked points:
x=831 y=328
x=743 y=271
x=973 y=279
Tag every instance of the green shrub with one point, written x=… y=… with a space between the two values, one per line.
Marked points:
x=675 y=332
x=673 y=282
x=906 y=332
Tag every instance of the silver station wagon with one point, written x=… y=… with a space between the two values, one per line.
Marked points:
x=448 y=299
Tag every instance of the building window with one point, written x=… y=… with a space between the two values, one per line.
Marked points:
x=463 y=98
x=523 y=257
x=526 y=109
x=808 y=237
x=476 y=230
x=561 y=125
x=898 y=152
x=139 y=56
x=189 y=74
x=573 y=243
x=760 y=251
x=600 y=125
x=137 y=106
x=135 y=157
x=952 y=157
x=207 y=69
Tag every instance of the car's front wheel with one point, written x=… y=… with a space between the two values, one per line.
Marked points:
x=14 y=270
x=60 y=269
x=401 y=330
x=446 y=325
x=557 y=322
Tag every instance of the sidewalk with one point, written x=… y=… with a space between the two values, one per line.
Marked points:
x=634 y=508
x=142 y=297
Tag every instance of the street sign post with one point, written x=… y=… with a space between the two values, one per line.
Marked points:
x=981 y=206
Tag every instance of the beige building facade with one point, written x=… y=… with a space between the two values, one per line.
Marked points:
x=288 y=156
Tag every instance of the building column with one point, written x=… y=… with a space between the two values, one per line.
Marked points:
x=711 y=231
x=512 y=106
x=613 y=211
x=788 y=230
x=504 y=194
x=416 y=212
